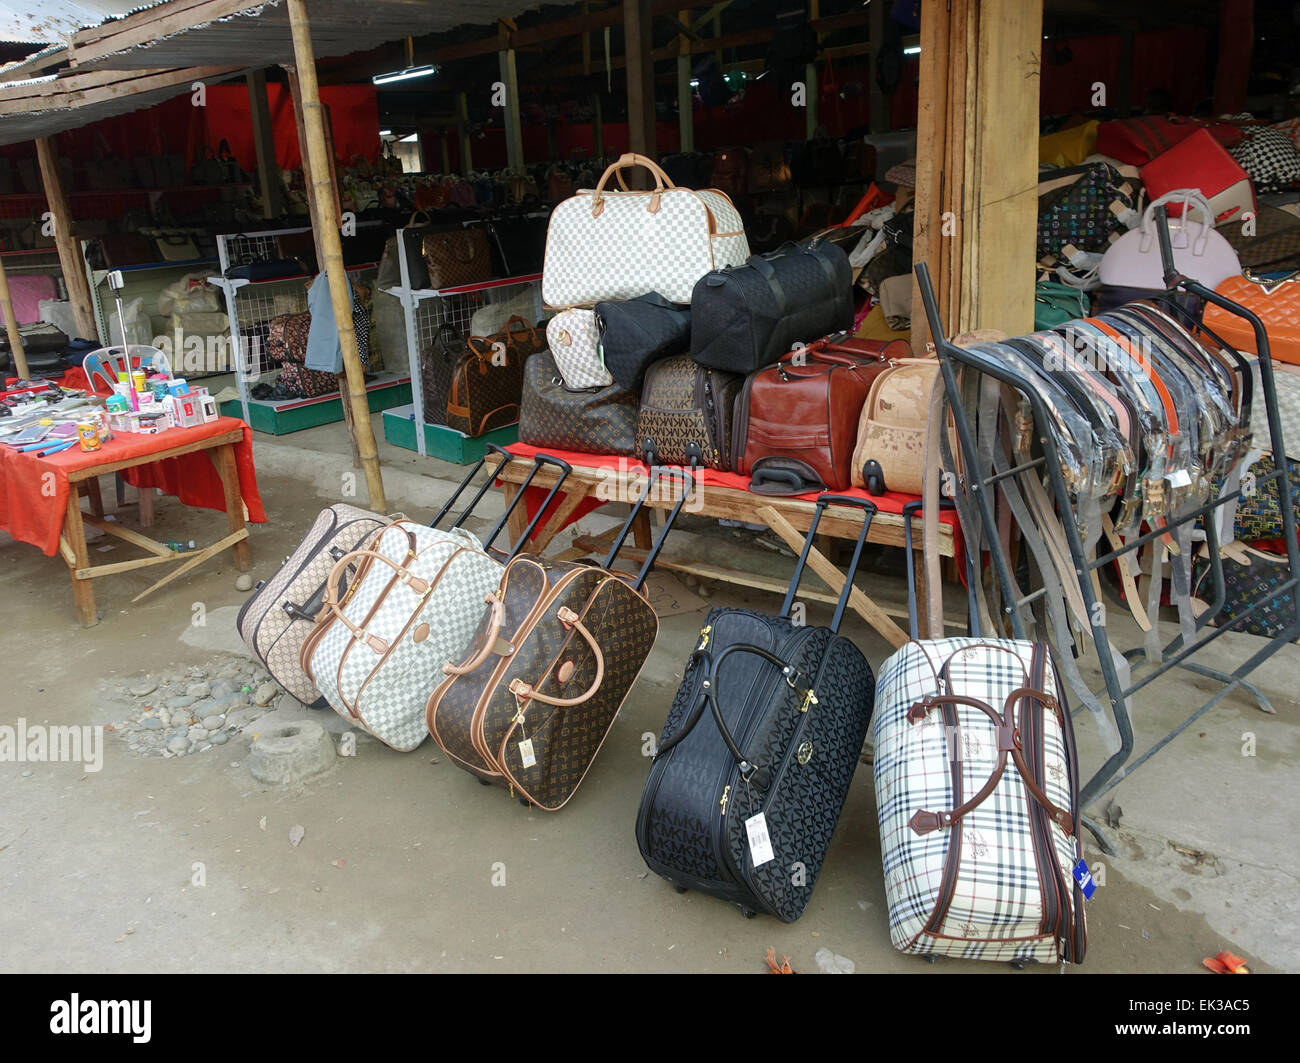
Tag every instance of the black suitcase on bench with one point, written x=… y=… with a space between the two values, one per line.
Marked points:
x=770 y=718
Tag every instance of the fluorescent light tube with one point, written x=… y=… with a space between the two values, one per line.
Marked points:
x=403 y=75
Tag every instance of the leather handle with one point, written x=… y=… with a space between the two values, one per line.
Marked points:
x=419 y=586
x=629 y=161
x=487 y=643
x=525 y=691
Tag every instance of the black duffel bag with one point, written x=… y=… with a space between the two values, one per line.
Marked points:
x=636 y=333
x=746 y=317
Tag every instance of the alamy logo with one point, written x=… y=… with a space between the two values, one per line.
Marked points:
x=37 y=743
x=102 y=1016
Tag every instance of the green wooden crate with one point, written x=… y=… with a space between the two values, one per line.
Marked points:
x=294 y=415
x=442 y=442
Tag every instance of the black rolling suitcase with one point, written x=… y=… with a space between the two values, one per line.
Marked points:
x=742 y=804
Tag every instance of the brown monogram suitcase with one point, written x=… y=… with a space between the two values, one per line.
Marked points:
x=686 y=413
x=549 y=668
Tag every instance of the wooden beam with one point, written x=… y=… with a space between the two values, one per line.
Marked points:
x=640 y=78
x=462 y=134
x=70 y=260
x=100 y=86
x=11 y=325
x=268 y=173
x=327 y=214
x=514 y=130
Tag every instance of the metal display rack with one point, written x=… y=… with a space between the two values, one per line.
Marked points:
x=426 y=310
x=1176 y=654
x=250 y=304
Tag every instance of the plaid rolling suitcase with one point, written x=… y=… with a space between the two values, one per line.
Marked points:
x=977 y=793
x=531 y=704
x=281 y=611
x=742 y=805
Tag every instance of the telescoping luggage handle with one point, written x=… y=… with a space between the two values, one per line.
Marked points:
x=538 y=461
x=657 y=472
x=749 y=771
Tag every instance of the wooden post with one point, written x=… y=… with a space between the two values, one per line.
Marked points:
x=976 y=204
x=11 y=325
x=812 y=97
x=514 y=134
x=295 y=96
x=444 y=152
x=462 y=134
x=685 y=97
x=638 y=40
x=268 y=173
x=328 y=238
x=70 y=260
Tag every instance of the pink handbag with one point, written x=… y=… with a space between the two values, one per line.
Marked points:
x=1201 y=253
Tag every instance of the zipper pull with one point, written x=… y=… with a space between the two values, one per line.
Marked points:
x=726 y=793
x=704 y=637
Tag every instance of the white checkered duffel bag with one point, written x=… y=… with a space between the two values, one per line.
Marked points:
x=605 y=244
x=977 y=796
x=574 y=341
x=377 y=652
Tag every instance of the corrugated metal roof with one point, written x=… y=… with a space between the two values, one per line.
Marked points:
x=50 y=21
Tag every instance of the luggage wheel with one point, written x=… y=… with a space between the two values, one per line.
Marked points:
x=485 y=782
x=525 y=802
x=748 y=913
x=1020 y=965
x=931 y=957
x=874 y=477
x=680 y=889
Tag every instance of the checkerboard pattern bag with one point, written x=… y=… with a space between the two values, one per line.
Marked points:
x=623 y=244
x=977 y=797
x=414 y=603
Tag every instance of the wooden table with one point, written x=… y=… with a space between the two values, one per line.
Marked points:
x=790 y=518
x=220 y=450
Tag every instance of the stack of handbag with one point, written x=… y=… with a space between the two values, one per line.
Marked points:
x=476 y=384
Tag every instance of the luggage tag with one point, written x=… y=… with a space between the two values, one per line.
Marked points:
x=760 y=842
x=1084 y=878
x=526 y=753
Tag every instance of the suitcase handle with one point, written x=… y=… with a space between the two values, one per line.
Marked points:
x=487 y=644
x=657 y=472
x=869 y=509
x=923 y=821
x=525 y=691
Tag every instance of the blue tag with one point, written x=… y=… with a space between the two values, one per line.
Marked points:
x=1084 y=878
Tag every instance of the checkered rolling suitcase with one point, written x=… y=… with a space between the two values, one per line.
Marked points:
x=281 y=611
x=758 y=752
x=414 y=601
x=977 y=793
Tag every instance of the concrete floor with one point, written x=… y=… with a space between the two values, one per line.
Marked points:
x=396 y=870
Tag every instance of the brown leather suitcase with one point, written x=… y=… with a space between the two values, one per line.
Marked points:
x=805 y=408
x=550 y=666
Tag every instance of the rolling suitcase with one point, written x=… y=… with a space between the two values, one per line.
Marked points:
x=977 y=794
x=743 y=805
x=548 y=670
x=414 y=597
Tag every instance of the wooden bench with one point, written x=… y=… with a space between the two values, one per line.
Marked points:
x=789 y=518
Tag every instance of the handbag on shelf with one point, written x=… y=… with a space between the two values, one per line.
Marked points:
x=296 y=381
x=1201 y=162
x=458 y=257
x=207 y=168
x=618 y=245
x=487 y=383
x=767 y=169
x=1200 y=252
x=729 y=172
x=174 y=245
x=301 y=247
x=126 y=249
x=594 y=420
x=437 y=365
x=574 y=343
x=1275 y=302
x=286 y=337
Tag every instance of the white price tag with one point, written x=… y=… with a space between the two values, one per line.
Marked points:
x=760 y=842
x=1180 y=478
x=526 y=753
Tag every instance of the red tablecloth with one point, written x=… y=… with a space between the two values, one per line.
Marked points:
x=34 y=491
x=889 y=502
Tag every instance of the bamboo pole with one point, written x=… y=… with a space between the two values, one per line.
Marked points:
x=70 y=260
x=11 y=325
x=329 y=240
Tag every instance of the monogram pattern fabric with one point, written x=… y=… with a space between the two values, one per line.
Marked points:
x=593 y=421
x=684 y=403
x=1081 y=214
x=461 y=256
x=488 y=382
x=1251 y=576
x=275 y=636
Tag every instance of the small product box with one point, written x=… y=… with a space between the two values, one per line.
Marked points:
x=208 y=404
x=177 y=386
x=187 y=409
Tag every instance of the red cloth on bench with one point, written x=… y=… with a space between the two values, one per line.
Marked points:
x=889 y=502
